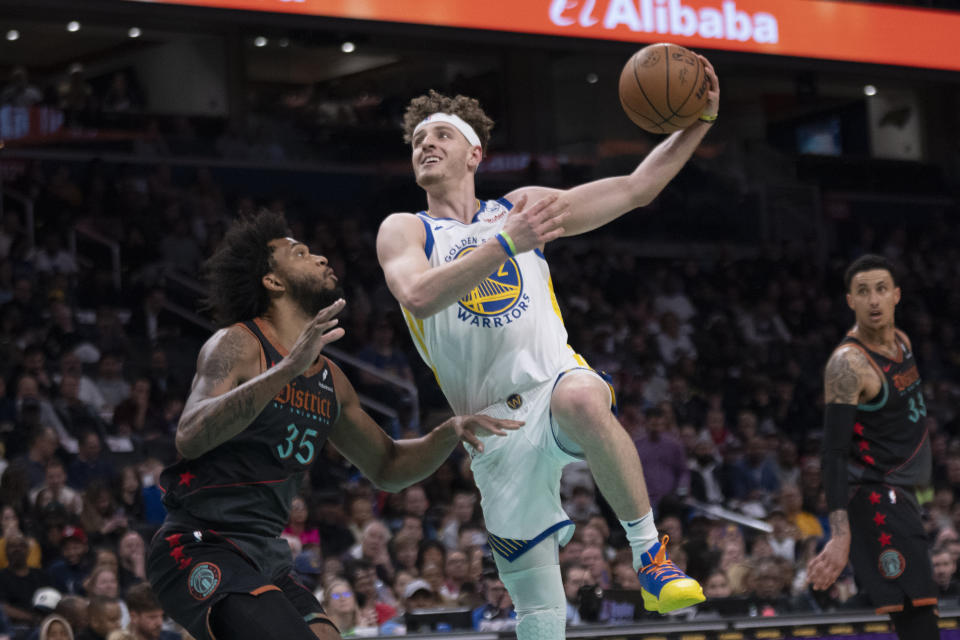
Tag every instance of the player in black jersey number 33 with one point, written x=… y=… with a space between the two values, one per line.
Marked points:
x=876 y=452
x=263 y=402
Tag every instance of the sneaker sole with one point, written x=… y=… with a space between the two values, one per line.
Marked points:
x=687 y=597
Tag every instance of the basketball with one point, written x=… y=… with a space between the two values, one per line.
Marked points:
x=663 y=88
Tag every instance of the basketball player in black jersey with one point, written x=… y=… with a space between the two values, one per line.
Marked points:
x=263 y=402
x=876 y=452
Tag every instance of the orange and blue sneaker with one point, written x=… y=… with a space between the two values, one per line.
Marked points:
x=664 y=587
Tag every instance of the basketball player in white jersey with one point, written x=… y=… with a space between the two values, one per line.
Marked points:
x=475 y=290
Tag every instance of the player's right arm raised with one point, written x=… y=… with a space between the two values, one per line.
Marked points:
x=229 y=390
x=844 y=383
x=424 y=290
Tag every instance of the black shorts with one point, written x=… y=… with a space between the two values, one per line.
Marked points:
x=193 y=569
x=889 y=548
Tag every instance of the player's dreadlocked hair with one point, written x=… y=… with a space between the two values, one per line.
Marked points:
x=467 y=108
x=235 y=270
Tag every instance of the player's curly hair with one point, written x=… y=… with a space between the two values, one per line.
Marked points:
x=433 y=102
x=235 y=270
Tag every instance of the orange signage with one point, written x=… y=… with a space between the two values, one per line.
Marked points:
x=827 y=29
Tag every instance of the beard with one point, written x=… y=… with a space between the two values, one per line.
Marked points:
x=310 y=295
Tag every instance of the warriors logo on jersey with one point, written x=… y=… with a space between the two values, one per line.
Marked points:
x=499 y=293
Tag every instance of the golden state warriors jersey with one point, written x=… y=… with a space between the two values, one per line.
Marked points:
x=507 y=334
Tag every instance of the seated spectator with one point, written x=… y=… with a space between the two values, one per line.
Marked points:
x=462 y=510
x=373 y=548
x=944 y=570
x=308 y=567
x=132 y=560
x=784 y=538
x=594 y=559
x=403 y=550
x=101 y=518
x=663 y=458
x=104 y=615
x=371 y=592
x=70 y=570
x=575 y=576
x=791 y=501
x=110 y=381
x=297 y=525
x=455 y=571
x=19 y=92
x=90 y=464
x=146 y=614
x=128 y=494
x=758 y=471
x=767 y=588
x=55 y=489
x=74 y=610
x=498 y=614
x=18 y=582
x=55 y=627
x=705 y=482
x=10 y=522
x=341 y=606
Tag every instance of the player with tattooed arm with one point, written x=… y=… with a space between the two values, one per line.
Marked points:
x=263 y=402
x=876 y=451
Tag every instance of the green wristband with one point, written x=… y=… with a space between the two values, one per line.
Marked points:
x=509 y=240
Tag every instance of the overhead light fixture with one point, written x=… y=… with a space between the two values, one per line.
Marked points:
x=134 y=32
x=12 y=35
x=869 y=90
x=283 y=42
x=259 y=41
x=73 y=26
x=592 y=78
x=348 y=47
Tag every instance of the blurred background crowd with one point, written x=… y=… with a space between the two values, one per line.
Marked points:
x=713 y=310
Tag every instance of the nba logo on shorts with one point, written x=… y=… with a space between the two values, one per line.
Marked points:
x=892 y=564
x=204 y=580
x=515 y=401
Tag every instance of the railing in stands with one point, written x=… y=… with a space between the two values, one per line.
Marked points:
x=82 y=230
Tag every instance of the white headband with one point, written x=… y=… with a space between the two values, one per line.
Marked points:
x=455 y=121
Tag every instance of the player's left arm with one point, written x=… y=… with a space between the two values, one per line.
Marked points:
x=594 y=204
x=392 y=464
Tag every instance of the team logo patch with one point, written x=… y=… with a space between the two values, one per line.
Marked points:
x=204 y=580
x=498 y=293
x=892 y=564
x=515 y=401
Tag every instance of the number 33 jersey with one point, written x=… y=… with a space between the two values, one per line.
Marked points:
x=890 y=440
x=250 y=480
x=504 y=336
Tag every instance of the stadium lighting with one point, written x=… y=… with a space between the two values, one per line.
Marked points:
x=134 y=32
x=592 y=78
x=869 y=90
x=12 y=35
x=283 y=43
x=73 y=26
x=259 y=41
x=348 y=47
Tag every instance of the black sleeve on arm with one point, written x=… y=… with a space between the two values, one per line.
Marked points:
x=838 y=421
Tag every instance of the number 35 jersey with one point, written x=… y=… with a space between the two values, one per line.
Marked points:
x=250 y=480
x=890 y=440
x=504 y=336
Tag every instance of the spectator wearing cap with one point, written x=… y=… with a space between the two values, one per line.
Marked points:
x=663 y=457
x=18 y=583
x=498 y=614
x=308 y=567
x=55 y=627
x=70 y=570
x=146 y=614
x=45 y=600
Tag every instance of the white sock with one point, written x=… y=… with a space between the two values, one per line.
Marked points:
x=641 y=534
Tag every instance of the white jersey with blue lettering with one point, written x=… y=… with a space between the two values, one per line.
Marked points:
x=507 y=334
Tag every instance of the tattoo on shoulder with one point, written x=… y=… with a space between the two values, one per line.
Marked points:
x=842 y=378
x=223 y=356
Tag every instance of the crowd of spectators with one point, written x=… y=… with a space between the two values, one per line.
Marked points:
x=716 y=359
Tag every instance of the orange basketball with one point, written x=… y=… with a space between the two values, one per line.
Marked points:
x=663 y=88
